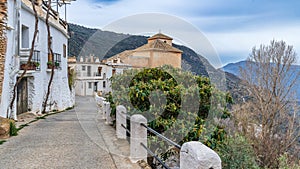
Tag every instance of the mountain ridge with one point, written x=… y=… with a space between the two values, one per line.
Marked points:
x=104 y=44
x=234 y=68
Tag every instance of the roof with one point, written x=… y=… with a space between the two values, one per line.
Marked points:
x=121 y=55
x=158 y=45
x=160 y=36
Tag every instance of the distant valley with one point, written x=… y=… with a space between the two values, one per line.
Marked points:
x=234 y=68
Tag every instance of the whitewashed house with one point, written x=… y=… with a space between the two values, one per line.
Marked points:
x=32 y=89
x=93 y=76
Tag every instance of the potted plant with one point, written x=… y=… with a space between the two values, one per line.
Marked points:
x=23 y=66
x=28 y=66
x=37 y=64
x=57 y=64
x=49 y=64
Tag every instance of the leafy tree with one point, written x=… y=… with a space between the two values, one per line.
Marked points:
x=178 y=104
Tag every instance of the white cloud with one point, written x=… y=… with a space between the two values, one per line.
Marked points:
x=241 y=42
x=232 y=30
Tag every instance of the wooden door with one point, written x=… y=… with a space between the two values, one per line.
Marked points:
x=22 y=96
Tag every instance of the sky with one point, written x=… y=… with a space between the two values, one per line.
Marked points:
x=232 y=27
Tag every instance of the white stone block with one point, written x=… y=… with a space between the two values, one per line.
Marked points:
x=103 y=110
x=138 y=135
x=107 y=113
x=195 y=155
x=121 y=119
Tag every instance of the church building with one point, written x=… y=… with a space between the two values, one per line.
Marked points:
x=157 y=52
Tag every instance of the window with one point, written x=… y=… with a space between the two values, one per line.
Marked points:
x=36 y=56
x=95 y=86
x=115 y=61
x=104 y=84
x=99 y=71
x=83 y=68
x=114 y=71
x=64 y=50
x=57 y=59
x=25 y=37
x=89 y=72
x=36 y=59
x=90 y=85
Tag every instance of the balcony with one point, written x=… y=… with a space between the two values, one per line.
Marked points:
x=30 y=66
x=97 y=74
x=54 y=14
x=57 y=61
x=34 y=62
x=89 y=75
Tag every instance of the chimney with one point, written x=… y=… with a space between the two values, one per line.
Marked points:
x=81 y=59
x=92 y=58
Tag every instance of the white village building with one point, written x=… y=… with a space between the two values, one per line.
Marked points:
x=32 y=89
x=93 y=76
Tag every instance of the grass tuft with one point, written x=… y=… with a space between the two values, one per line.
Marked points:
x=2 y=141
x=42 y=117
x=13 y=131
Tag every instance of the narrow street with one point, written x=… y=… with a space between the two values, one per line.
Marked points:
x=76 y=138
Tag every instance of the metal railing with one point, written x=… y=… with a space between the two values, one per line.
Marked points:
x=139 y=132
x=161 y=136
x=127 y=130
x=155 y=156
x=35 y=60
x=149 y=129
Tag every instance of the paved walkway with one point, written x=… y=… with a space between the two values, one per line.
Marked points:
x=76 y=138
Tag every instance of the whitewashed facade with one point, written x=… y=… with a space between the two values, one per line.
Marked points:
x=32 y=90
x=94 y=76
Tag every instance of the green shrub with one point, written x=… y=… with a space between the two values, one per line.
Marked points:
x=2 y=141
x=284 y=163
x=22 y=126
x=236 y=152
x=13 y=131
x=175 y=103
x=41 y=117
x=113 y=107
x=70 y=108
x=71 y=78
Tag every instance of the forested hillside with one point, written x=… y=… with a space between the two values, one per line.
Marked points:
x=104 y=44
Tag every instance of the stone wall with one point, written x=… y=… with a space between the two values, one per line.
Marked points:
x=160 y=58
x=5 y=127
x=3 y=15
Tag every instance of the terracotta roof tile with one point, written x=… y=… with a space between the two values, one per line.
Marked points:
x=160 y=36
x=158 y=45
